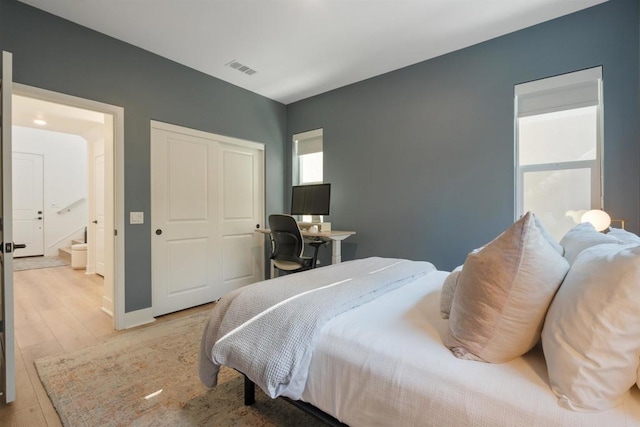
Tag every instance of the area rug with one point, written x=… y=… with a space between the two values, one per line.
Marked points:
x=33 y=263
x=149 y=377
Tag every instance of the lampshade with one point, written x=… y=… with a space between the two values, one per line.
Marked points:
x=599 y=218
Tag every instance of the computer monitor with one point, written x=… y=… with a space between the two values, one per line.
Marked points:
x=313 y=199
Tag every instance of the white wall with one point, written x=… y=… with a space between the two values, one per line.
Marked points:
x=65 y=181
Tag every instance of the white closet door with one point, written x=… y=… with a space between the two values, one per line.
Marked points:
x=206 y=200
x=241 y=210
x=184 y=222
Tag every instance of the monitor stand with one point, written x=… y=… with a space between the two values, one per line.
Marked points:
x=316 y=224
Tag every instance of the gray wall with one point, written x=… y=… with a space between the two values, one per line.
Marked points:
x=55 y=54
x=421 y=160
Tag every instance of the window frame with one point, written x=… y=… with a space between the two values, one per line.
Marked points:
x=314 y=139
x=596 y=165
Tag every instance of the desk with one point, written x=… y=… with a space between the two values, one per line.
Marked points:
x=336 y=238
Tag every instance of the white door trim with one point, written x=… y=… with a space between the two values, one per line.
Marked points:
x=117 y=222
x=206 y=135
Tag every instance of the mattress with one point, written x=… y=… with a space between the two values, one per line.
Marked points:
x=384 y=364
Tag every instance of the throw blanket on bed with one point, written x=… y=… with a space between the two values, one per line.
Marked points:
x=267 y=330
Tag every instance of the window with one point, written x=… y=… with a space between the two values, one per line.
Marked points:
x=308 y=159
x=559 y=148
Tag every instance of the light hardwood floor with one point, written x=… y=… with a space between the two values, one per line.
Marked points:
x=57 y=311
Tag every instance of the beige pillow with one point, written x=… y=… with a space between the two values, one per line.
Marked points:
x=581 y=237
x=503 y=293
x=448 y=290
x=591 y=336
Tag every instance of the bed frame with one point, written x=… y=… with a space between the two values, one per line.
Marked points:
x=250 y=399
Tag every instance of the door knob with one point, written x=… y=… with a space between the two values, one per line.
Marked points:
x=95 y=221
x=7 y=248
x=158 y=232
x=39 y=217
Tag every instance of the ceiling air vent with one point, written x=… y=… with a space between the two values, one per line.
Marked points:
x=241 y=67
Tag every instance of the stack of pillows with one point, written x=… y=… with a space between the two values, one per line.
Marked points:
x=580 y=296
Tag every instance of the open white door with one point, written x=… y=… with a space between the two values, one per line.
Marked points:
x=8 y=370
x=99 y=208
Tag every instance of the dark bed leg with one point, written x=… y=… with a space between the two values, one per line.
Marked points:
x=249 y=392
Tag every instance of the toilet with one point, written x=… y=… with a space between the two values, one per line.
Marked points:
x=79 y=256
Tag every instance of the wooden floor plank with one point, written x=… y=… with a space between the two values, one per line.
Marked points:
x=28 y=417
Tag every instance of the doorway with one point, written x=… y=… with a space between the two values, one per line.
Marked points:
x=82 y=208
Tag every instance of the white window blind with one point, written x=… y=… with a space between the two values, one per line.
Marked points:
x=565 y=92
x=308 y=142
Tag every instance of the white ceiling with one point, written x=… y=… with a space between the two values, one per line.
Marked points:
x=301 y=48
x=58 y=118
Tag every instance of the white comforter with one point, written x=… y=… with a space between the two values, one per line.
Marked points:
x=384 y=364
x=268 y=330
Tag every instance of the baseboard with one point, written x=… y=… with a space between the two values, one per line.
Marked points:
x=107 y=306
x=138 y=318
x=91 y=269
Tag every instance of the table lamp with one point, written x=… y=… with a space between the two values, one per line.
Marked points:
x=598 y=218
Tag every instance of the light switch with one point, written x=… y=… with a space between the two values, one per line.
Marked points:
x=136 y=217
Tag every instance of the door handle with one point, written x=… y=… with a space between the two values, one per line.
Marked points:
x=95 y=221
x=7 y=248
x=39 y=217
x=158 y=232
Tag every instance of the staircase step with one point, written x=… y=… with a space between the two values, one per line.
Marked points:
x=76 y=241
x=65 y=253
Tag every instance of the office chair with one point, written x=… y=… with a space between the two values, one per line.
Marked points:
x=287 y=245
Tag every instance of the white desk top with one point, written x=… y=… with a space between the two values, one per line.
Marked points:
x=305 y=233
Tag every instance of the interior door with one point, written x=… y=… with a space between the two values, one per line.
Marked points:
x=28 y=203
x=8 y=381
x=185 y=254
x=241 y=212
x=98 y=167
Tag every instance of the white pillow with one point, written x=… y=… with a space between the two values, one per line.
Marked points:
x=624 y=236
x=448 y=290
x=581 y=237
x=557 y=246
x=503 y=293
x=591 y=336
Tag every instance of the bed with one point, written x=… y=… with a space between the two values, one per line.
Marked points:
x=384 y=361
